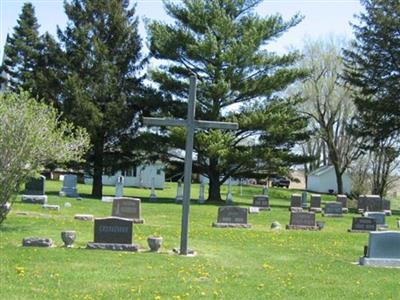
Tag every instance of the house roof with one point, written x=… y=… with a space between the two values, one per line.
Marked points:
x=321 y=171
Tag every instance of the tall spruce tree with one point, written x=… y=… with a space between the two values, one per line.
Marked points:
x=373 y=68
x=224 y=44
x=22 y=51
x=100 y=82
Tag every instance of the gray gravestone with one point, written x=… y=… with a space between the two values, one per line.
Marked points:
x=119 y=187
x=229 y=197
x=343 y=199
x=302 y=220
x=363 y=224
x=35 y=186
x=295 y=203
x=383 y=249
x=128 y=208
x=70 y=186
x=386 y=207
x=262 y=202
x=379 y=218
x=153 y=196
x=369 y=203
x=315 y=203
x=179 y=193
x=35 y=191
x=304 y=199
x=202 y=198
x=333 y=209
x=113 y=234
x=232 y=216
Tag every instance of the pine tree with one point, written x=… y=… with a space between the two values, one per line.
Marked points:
x=100 y=82
x=373 y=68
x=21 y=52
x=225 y=44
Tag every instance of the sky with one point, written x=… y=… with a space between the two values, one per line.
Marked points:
x=321 y=18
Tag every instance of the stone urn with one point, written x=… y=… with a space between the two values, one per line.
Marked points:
x=154 y=243
x=68 y=238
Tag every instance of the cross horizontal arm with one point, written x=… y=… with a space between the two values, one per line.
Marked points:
x=164 y=122
x=217 y=125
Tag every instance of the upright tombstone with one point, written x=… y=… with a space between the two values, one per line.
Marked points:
x=229 y=197
x=153 y=196
x=232 y=216
x=261 y=202
x=179 y=192
x=69 y=188
x=315 y=203
x=265 y=190
x=295 y=203
x=119 y=187
x=379 y=217
x=113 y=233
x=386 y=207
x=343 y=199
x=304 y=200
x=333 y=209
x=363 y=224
x=202 y=198
x=383 y=250
x=302 y=220
x=35 y=191
x=127 y=208
x=369 y=203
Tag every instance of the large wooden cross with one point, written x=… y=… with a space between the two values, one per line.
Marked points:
x=191 y=124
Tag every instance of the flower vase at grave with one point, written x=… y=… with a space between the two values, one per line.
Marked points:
x=154 y=243
x=68 y=238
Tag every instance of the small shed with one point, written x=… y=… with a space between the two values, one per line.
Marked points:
x=323 y=180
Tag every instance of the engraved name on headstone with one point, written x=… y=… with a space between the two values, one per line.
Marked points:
x=113 y=230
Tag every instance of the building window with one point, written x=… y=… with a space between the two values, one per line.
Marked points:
x=131 y=172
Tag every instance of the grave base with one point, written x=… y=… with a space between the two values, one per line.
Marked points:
x=107 y=199
x=34 y=199
x=231 y=225
x=380 y=262
x=345 y=210
x=359 y=231
x=332 y=215
x=138 y=221
x=316 y=209
x=299 y=227
x=260 y=208
x=83 y=217
x=113 y=246
x=388 y=212
x=295 y=209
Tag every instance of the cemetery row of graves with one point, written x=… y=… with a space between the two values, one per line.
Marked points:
x=263 y=243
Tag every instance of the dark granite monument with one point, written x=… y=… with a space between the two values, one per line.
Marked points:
x=343 y=199
x=262 y=202
x=295 y=203
x=113 y=233
x=315 y=203
x=302 y=220
x=363 y=224
x=35 y=191
x=232 y=216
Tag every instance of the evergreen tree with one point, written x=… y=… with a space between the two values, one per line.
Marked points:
x=21 y=52
x=225 y=44
x=100 y=82
x=373 y=68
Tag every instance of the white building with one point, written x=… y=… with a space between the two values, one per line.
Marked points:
x=324 y=179
x=139 y=176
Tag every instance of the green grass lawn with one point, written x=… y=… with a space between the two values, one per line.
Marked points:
x=255 y=263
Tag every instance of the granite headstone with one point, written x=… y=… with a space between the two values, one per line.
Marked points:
x=302 y=220
x=363 y=224
x=232 y=216
x=262 y=202
x=333 y=209
x=128 y=208
x=70 y=186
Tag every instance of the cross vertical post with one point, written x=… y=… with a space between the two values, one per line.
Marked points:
x=191 y=124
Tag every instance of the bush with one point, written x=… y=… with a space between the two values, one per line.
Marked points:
x=31 y=136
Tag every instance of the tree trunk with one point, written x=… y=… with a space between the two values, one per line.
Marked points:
x=339 y=180
x=97 y=187
x=214 y=189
